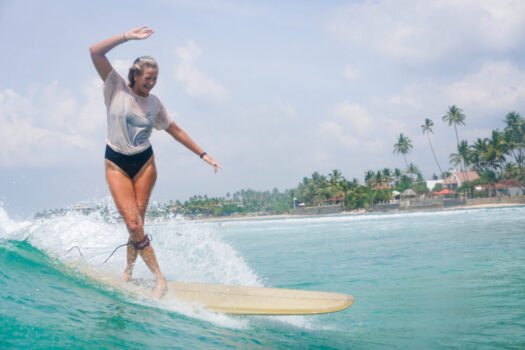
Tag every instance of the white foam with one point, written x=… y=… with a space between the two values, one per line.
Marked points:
x=185 y=251
x=140 y=292
x=196 y=253
x=10 y=229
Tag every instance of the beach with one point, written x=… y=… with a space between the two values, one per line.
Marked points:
x=348 y=212
x=488 y=205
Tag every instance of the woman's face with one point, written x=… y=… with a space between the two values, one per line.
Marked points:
x=146 y=81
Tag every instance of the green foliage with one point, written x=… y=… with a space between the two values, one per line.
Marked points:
x=421 y=187
x=403 y=146
x=243 y=202
x=437 y=187
x=466 y=187
x=404 y=183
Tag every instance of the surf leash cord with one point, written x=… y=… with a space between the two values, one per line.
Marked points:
x=137 y=245
x=141 y=245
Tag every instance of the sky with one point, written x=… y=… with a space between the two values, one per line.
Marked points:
x=273 y=90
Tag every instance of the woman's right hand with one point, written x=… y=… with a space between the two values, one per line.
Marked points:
x=208 y=159
x=139 y=33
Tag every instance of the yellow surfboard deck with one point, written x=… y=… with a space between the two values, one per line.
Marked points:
x=230 y=299
x=247 y=300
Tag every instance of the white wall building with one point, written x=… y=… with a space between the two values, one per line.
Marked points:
x=432 y=183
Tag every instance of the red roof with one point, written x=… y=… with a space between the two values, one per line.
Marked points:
x=444 y=192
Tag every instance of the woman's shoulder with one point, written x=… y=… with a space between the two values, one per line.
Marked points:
x=152 y=98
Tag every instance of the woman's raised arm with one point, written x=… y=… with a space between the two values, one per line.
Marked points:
x=99 y=50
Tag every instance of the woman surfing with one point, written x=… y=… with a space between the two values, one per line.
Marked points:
x=132 y=113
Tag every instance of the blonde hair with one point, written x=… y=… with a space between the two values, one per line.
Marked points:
x=138 y=67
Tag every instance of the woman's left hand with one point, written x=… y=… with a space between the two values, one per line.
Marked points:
x=208 y=159
x=138 y=33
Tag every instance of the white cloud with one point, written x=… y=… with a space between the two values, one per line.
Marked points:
x=486 y=95
x=339 y=134
x=350 y=73
x=434 y=30
x=336 y=138
x=352 y=128
x=48 y=126
x=357 y=117
x=231 y=7
x=497 y=86
x=286 y=109
x=196 y=83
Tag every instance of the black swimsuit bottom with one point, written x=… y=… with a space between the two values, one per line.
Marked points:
x=130 y=164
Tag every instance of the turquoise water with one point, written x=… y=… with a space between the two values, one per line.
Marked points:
x=437 y=280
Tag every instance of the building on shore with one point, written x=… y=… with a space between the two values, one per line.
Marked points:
x=431 y=184
x=458 y=178
x=510 y=187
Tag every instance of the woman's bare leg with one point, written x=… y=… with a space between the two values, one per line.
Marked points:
x=131 y=257
x=125 y=194
x=143 y=184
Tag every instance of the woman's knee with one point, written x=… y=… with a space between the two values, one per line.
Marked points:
x=134 y=224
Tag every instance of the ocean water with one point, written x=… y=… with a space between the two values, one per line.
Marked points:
x=434 y=280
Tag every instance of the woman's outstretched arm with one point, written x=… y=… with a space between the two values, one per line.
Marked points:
x=181 y=136
x=99 y=50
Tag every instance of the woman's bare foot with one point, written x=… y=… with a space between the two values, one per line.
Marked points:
x=160 y=288
x=127 y=274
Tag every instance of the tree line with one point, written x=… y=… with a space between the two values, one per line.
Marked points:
x=498 y=157
x=495 y=158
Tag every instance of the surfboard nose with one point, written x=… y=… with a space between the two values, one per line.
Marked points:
x=248 y=300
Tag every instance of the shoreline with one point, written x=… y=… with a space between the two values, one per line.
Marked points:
x=487 y=205
x=348 y=213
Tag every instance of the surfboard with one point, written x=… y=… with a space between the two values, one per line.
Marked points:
x=232 y=299
x=248 y=300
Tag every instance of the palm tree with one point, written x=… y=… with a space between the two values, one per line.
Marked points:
x=335 y=178
x=403 y=146
x=515 y=138
x=387 y=176
x=455 y=117
x=496 y=150
x=510 y=171
x=379 y=179
x=336 y=183
x=488 y=156
x=463 y=155
x=476 y=151
x=370 y=178
x=397 y=176
x=427 y=129
x=413 y=170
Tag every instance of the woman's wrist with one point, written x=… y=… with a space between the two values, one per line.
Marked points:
x=202 y=155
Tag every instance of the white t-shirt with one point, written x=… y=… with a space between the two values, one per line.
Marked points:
x=131 y=118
